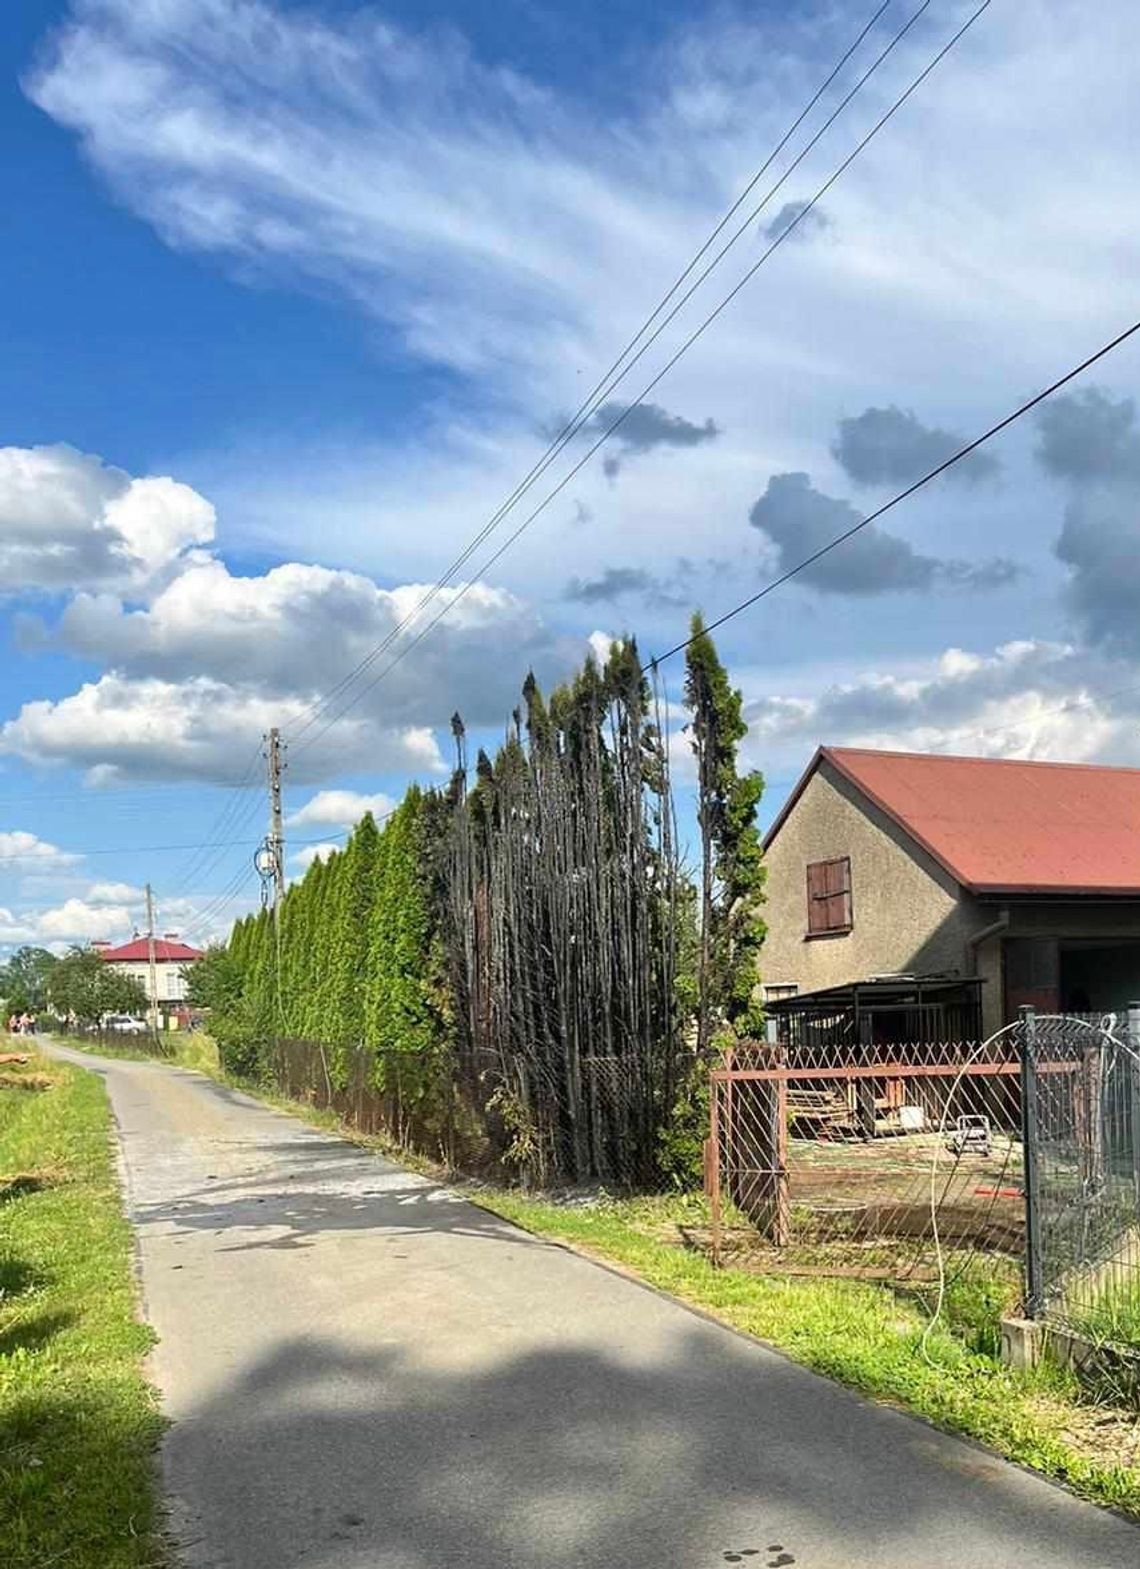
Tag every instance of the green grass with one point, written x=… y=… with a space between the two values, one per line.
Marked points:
x=1111 y=1313
x=184 y=1049
x=864 y=1335
x=78 y=1421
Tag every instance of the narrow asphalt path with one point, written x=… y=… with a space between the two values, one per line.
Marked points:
x=364 y=1372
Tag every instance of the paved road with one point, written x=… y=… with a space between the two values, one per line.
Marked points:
x=364 y=1372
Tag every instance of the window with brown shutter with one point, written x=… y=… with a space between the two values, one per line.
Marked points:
x=829 y=896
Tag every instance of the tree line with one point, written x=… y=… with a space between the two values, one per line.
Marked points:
x=76 y=985
x=532 y=932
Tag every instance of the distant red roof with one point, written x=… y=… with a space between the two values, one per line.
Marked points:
x=137 y=951
x=1003 y=826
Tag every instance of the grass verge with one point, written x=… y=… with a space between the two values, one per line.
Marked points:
x=868 y=1337
x=861 y=1334
x=78 y=1421
x=183 y=1049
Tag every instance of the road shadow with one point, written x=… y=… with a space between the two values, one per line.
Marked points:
x=575 y=1459
x=326 y=1193
x=33 y=1330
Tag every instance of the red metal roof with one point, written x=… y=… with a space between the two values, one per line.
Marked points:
x=137 y=951
x=1002 y=826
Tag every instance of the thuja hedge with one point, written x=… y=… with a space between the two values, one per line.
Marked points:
x=353 y=959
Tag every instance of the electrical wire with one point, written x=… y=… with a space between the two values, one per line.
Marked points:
x=1071 y=705
x=153 y=849
x=612 y=378
x=939 y=1252
x=903 y=495
x=687 y=344
x=227 y=819
x=1042 y=1018
x=203 y=864
x=206 y=917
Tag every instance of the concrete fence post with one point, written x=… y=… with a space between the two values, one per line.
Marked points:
x=1034 y=1261
x=1134 y=1095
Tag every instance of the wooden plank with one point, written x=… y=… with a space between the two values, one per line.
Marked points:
x=885 y=1070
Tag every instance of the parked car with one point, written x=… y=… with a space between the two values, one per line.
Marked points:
x=123 y=1024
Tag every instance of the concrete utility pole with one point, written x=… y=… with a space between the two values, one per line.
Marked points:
x=151 y=964
x=276 y=840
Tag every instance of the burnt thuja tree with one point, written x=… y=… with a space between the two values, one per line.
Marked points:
x=722 y=947
x=732 y=871
x=560 y=882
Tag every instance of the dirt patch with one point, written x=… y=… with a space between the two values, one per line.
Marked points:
x=1106 y=1433
x=27 y=1081
x=25 y=1182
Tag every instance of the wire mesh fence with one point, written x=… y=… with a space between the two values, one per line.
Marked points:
x=854 y=1158
x=1082 y=1125
x=478 y=1112
x=136 y=1035
x=412 y=1099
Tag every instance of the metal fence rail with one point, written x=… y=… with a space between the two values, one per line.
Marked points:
x=478 y=1113
x=1082 y=1128
x=852 y=1158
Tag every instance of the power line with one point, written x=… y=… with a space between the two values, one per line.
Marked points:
x=1071 y=705
x=204 y=865
x=106 y=798
x=227 y=821
x=111 y=795
x=610 y=380
x=209 y=914
x=151 y=849
x=931 y=474
x=685 y=346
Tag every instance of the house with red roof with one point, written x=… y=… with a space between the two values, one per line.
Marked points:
x=1024 y=875
x=172 y=958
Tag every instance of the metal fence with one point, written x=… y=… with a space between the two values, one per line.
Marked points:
x=480 y=1114
x=1082 y=1134
x=160 y=1043
x=852 y=1158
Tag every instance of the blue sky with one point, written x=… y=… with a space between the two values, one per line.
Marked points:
x=292 y=295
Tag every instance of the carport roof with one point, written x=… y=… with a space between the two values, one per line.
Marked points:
x=1001 y=826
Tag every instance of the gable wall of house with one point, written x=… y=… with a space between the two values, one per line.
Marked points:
x=170 y=978
x=908 y=914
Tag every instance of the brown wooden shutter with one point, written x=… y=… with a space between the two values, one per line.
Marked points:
x=817 y=891
x=839 y=890
x=829 y=895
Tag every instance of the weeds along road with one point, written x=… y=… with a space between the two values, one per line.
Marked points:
x=362 y=1370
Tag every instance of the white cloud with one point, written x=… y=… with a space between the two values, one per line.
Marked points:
x=77 y=921
x=601 y=644
x=14 y=929
x=115 y=893
x=1027 y=699
x=31 y=853
x=297 y=630
x=199 y=728
x=341 y=808
x=68 y=520
x=115 y=910
x=305 y=857
x=195 y=677
x=514 y=235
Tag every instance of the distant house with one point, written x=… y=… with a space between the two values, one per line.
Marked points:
x=1024 y=874
x=171 y=960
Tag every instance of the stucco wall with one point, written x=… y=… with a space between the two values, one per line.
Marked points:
x=171 y=978
x=907 y=913
x=1110 y=975
x=988 y=964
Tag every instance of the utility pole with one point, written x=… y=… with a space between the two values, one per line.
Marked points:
x=276 y=841
x=152 y=966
